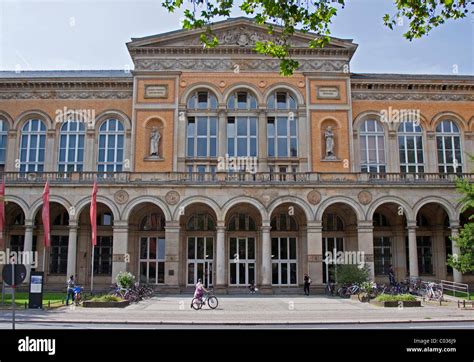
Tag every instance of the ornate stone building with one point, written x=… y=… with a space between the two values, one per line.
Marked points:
x=211 y=165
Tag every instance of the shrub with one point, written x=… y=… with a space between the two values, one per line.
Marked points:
x=106 y=298
x=125 y=280
x=350 y=273
x=395 y=298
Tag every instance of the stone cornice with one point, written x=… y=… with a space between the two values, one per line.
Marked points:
x=199 y=50
x=66 y=89
x=411 y=90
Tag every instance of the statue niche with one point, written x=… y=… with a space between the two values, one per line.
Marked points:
x=154 y=147
x=330 y=153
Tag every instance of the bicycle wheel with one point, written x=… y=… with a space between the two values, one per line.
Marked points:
x=212 y=302
x=196 y=304
x=363 y=297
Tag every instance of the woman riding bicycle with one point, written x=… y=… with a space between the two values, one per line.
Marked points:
x=198 y=293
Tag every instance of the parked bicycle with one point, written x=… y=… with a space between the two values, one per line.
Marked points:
x=330 y=289
x=208 y=298
x=368 y=291
x=347 y=291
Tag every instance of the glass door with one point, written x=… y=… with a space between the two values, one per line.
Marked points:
x=241 y=261
x=333 y=245
x=152 y=260
x=200 y=260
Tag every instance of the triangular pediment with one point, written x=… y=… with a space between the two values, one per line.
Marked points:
x=237 y=32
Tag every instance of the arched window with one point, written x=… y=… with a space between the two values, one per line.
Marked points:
x=332 y=222
x=372 y=147
x=202 y=100
x=32 y=146
x=242 y=125
x=380 y=220
x=241 y=222
x=111 y=146
x=410 y=146
x=3 y=142
x=71 y=146
x=448 y=141
x=201 y=130
x=283 y=222
x=201 y=222
x=241 y=101
x=153 y=222
x=282 y=134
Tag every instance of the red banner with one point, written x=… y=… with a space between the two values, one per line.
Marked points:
x=45 y=216
x=2 y=211
x=93 y=214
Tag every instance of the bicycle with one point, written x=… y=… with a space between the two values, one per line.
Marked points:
x=433 y=292
x=347 y=291
x=208 y=298
x=367 y=292
x=330 y=289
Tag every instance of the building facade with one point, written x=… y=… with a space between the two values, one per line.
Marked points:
x=211 y=165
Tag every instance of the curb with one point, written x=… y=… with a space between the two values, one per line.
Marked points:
x=241 y=323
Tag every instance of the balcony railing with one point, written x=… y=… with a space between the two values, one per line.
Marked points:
x=198 y=178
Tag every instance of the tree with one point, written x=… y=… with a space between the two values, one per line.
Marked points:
x=464 y=262
x=285 y=17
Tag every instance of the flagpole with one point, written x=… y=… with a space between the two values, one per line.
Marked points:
x=92 y=270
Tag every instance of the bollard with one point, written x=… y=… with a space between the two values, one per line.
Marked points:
x=49 y=304
x=464 y=304
x=25 y=306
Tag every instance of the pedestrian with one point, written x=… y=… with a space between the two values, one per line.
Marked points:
x=391 y=276
x=307 y=283
x=70 y=289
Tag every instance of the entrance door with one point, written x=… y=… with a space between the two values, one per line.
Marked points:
x=200 y=260
x=152 y=260
x=329 y=244
x=241 y=261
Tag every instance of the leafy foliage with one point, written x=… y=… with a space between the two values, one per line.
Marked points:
x=395 y=298
x=350 y=273
x=308 y=16
x=464 y=262
x=125 y=280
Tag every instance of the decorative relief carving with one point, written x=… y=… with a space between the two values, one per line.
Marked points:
x=121 y=197
x=365 y=197
x=200 y=64
x=411 y=97
x=172 y=197
x=314 y=197
x=67 y=95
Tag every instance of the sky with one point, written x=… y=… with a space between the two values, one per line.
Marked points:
x=91 y=34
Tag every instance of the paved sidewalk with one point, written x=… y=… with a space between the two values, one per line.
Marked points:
x=235 y=310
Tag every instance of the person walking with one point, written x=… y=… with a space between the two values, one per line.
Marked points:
x=70 y=289
x=391 y=276
x=307 y=283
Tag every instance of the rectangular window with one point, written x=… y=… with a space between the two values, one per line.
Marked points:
x=58 y=254
x=425 y=255
x=201 y=136
x=103 y=256
x=284 y=261
x=382 y=254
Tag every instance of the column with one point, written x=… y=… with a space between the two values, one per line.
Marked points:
x=430 y=154
x=120 y=248
x=89 y=151
x=28 y=246
x=49 y=165
x=12 y=153
x=222 y=133
x=220 y=255
x=392 y=161
x=315 y=251
x=412 y=249
x=72 y=249
x=172 y=233
x=457 y=275
x=365 y=241
x=262 y=140
x=266 y=256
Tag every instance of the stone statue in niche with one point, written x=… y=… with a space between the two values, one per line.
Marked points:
x=154 y=142
x=329 y=135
